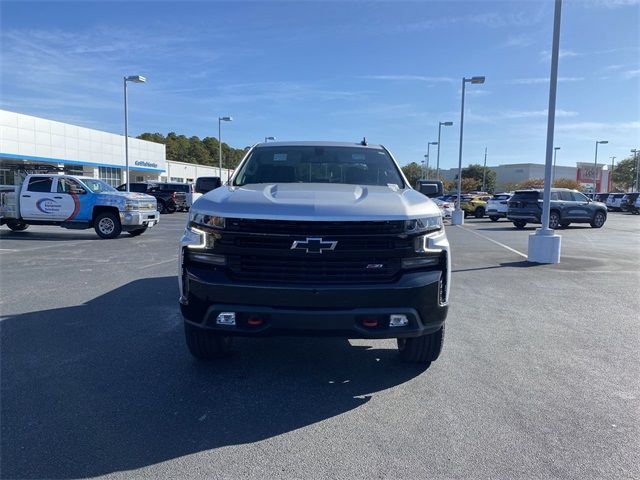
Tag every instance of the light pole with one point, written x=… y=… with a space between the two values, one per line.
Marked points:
x=427 y=155
x=422 y=168
x=266 y=139
x=611 y=174
x=440 y=124
x=636 y=158
x=220 y=120
x=544 y=245
x=555 y=154
x=458 y=217
x=595 y=168
x=134 y=79
x=484 y=170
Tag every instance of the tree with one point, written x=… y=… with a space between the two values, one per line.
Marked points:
x=413 y=172
x=567 y=183
x=531 y=183
x=624 y=173
x=475 y=171
x=179 y=148
x=470 y=184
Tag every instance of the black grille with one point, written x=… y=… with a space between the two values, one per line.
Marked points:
x=290 y=227
x=345 y=244
x=313 y=270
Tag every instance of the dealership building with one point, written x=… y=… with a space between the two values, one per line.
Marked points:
x=27 y=142
x=509 y=175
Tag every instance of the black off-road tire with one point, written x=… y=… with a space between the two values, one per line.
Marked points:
x=206 y=345
x=479 y=212
x=519 y=224
x=171 y=209
x=598 y=219
x=162 y=207
x=107 y=225
x=425 y=349
x=494 y=218
x=17 y=225
x=137 y=231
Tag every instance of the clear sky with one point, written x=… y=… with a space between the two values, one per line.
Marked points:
x=335 y=71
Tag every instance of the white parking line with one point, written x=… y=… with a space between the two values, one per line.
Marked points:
x=494 y=241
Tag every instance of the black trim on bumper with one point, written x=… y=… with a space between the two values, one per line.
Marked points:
x=315 y=310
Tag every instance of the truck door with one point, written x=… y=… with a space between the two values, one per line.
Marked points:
x=36 y=200
x=69 y=194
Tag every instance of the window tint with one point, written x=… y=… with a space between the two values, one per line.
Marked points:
x=533 y=195
x=555 y=196
x=565 y=196
x=319 y=164
x=578 y=197
x=40 y=184
x=68 y=185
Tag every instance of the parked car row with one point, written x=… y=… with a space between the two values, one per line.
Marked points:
x=171 y=196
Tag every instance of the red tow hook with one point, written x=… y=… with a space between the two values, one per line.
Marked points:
x=370 y=322
x=255 y=321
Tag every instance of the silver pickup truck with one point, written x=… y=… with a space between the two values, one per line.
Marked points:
x=315 y=239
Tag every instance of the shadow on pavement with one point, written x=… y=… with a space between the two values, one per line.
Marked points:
x=88 y=234
x=109 y=386
x=521 y=264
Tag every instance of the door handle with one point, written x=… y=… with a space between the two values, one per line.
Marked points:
x=26 y=196
x=59 y=198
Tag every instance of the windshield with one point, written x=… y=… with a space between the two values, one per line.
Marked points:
x=319 y=164
x=97 y=186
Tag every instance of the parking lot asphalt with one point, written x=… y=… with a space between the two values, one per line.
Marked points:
x=538 y=377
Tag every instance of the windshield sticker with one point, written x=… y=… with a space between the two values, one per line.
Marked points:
x=279 y=157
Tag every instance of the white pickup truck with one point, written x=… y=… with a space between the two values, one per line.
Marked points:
x=76 y=203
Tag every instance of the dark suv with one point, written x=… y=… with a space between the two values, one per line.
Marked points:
x=567 y=206
x=167 y=198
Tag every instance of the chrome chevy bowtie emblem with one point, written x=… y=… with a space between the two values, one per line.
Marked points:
x=314 y=245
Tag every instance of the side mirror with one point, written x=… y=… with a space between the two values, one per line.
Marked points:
x=206 y=184
x=430 y=188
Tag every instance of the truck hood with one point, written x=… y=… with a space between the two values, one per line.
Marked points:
x=316 y=201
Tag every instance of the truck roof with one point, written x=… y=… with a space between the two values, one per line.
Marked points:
x=318 y=144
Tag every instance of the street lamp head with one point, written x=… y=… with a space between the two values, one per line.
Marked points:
x=135 y=79
x=446 y=124
x=602 y=141
x=477 y=80
x=433 y=143
x=225 y=119
x=556 y=148
x=269 y=138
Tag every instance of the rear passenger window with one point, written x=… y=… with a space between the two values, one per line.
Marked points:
x=566 y=196
x=40 y=184
x=555 y=196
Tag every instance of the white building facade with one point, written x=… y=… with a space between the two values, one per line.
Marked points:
x=27 y=141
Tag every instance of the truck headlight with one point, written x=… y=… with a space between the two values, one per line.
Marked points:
x=129 y=206
x=425 y=224
x=208 y=220
x=193 y=238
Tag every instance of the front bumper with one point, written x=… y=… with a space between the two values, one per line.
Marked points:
x=327 y=310
x=137 y=219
